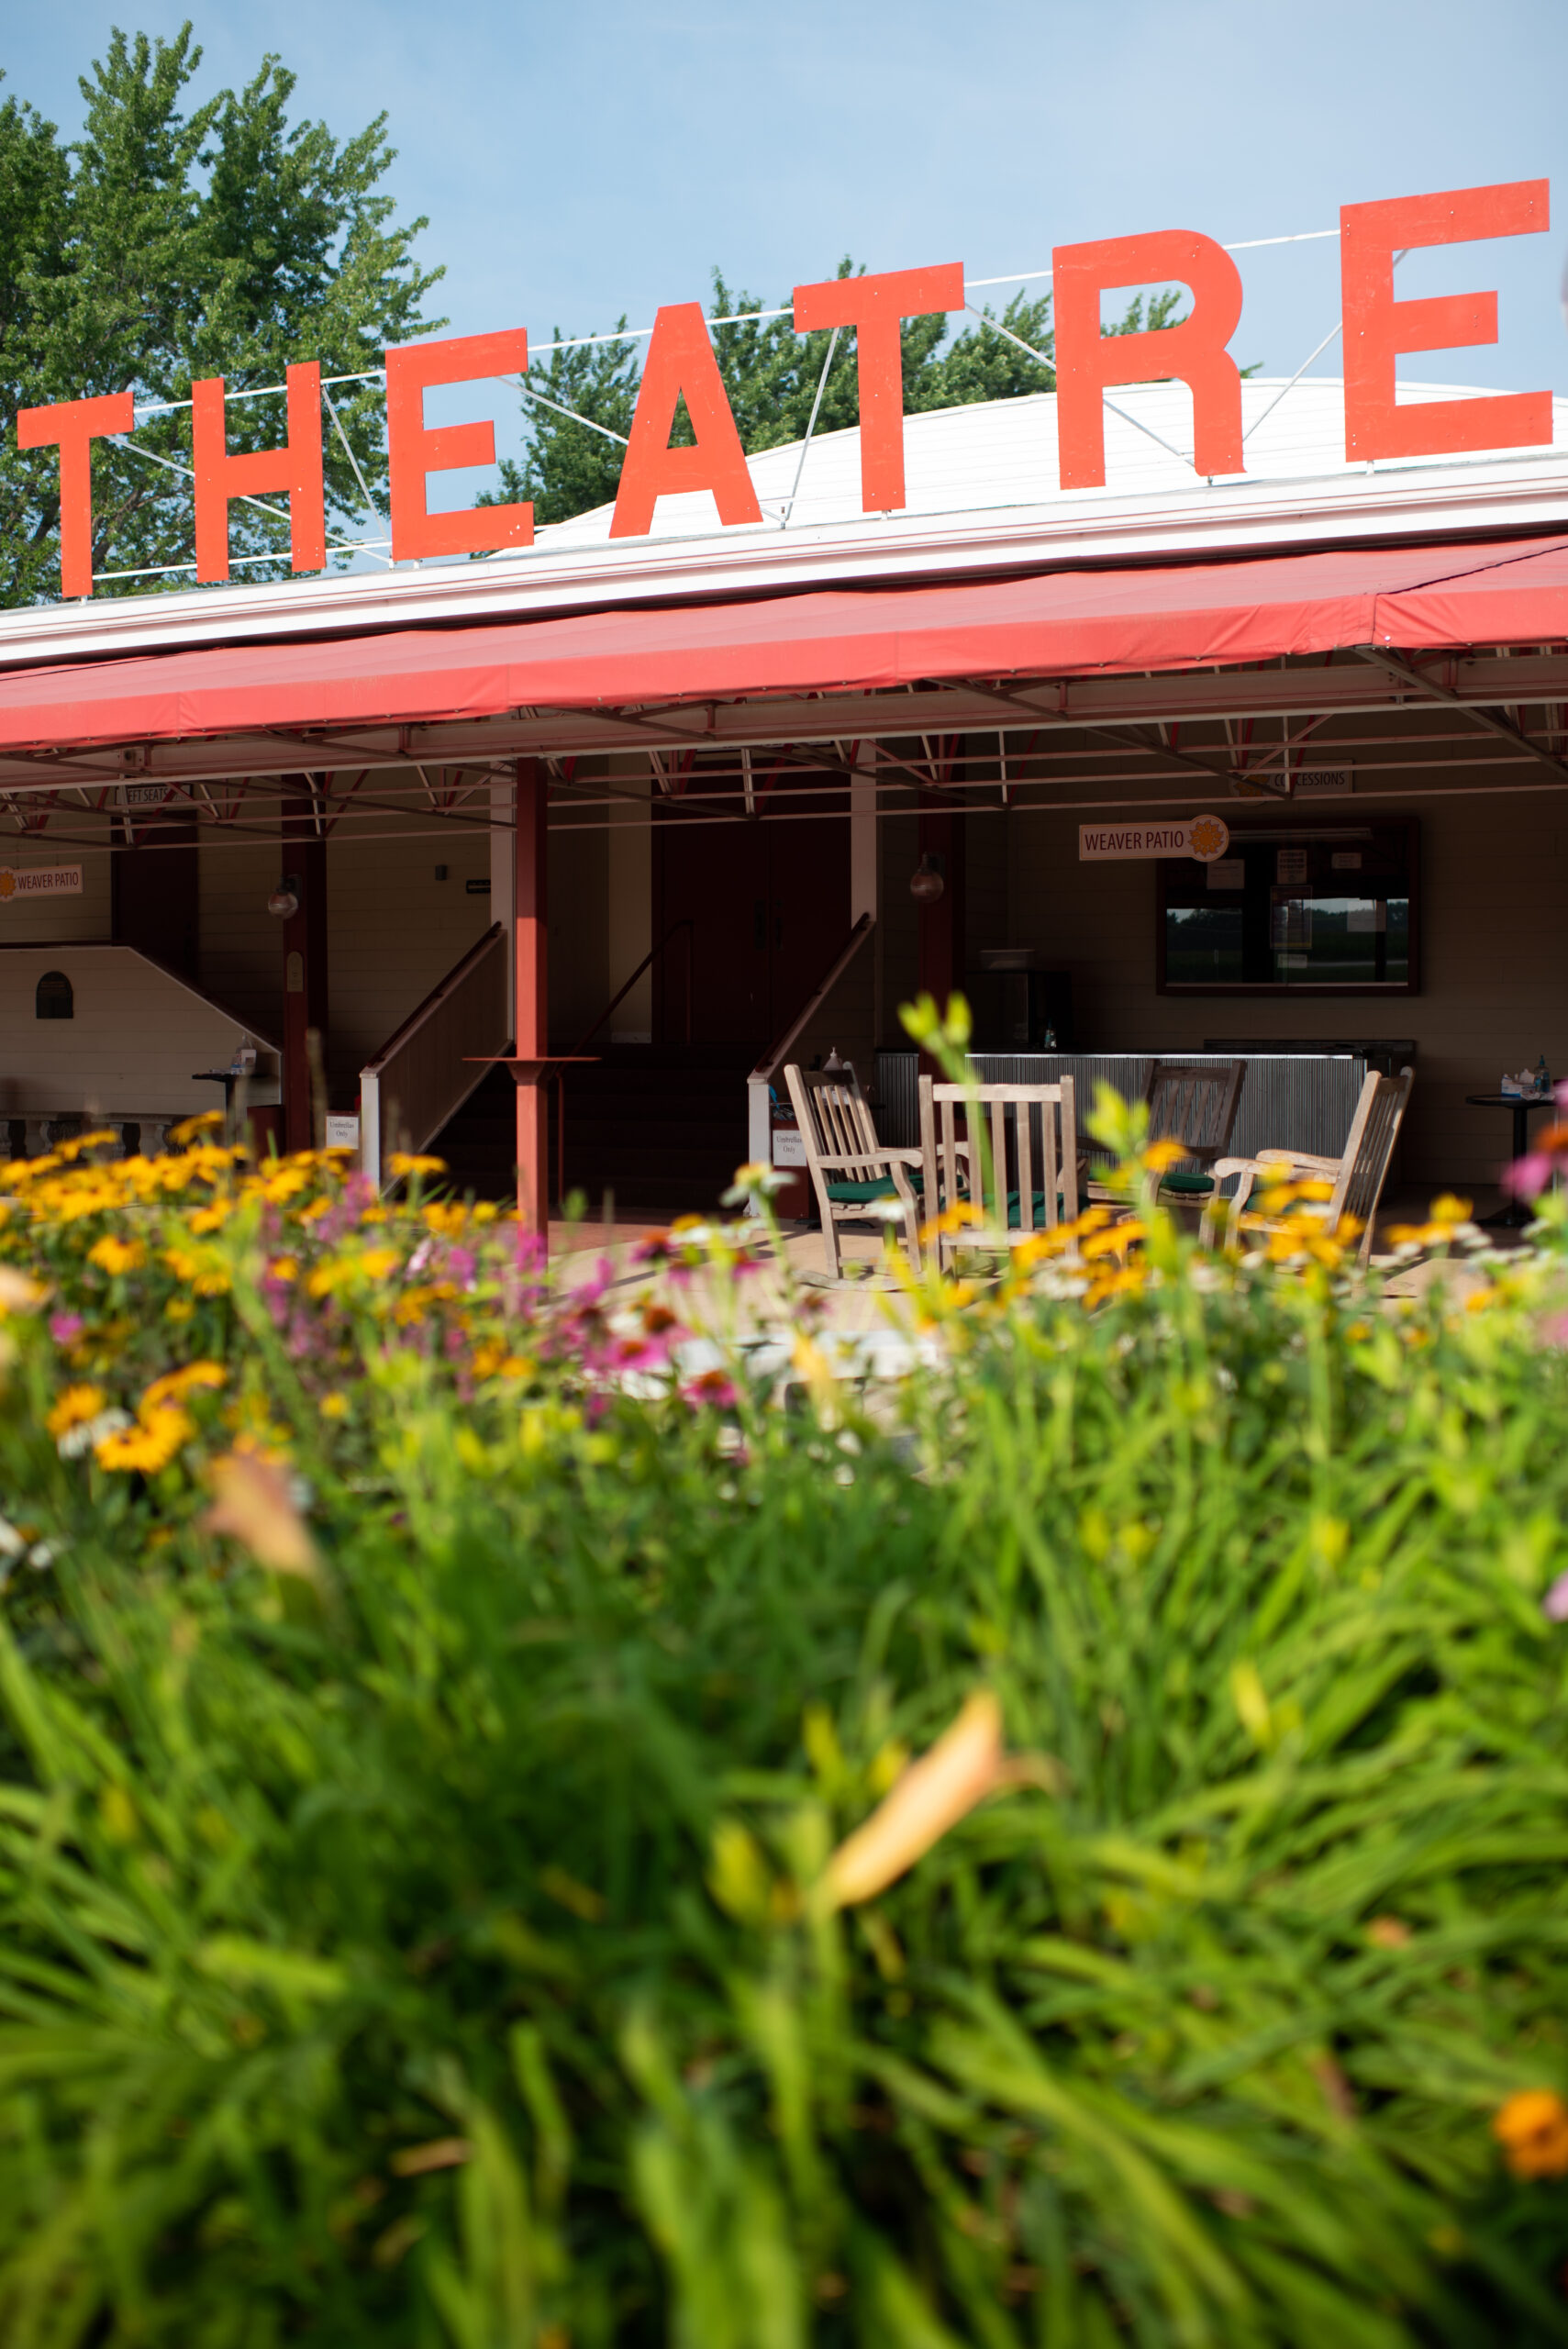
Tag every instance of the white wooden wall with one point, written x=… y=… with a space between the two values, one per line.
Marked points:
x=137 y=1036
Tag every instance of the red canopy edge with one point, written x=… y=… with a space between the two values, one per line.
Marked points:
x=1062 y=624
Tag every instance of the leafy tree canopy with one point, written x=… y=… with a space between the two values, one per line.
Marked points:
x=163 y=245
x=772 y=376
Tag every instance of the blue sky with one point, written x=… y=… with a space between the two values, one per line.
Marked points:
x=577 y=161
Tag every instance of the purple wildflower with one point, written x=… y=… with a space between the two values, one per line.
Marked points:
x=1528 y=1176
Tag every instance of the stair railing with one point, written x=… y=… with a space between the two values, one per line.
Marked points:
x=586 y=1038
x=426 y=1070
x=759 y=1118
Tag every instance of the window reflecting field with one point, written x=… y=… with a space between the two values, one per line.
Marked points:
x=1294 y=910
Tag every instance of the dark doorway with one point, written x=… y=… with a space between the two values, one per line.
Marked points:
x=767 y=900
x=153 y=893
x=52 y=997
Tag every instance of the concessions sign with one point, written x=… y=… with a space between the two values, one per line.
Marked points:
x=681 y=366
x=1207 y=838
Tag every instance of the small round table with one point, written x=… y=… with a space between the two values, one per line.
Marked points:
x=1517 y=1213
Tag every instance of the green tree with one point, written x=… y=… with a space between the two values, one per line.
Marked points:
x=772 y=376
x=163 y=245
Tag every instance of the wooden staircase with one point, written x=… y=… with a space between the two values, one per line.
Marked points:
x=662 y=1126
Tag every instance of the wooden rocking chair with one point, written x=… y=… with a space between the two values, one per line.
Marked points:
x=1194 y=1103
x=1025 y=1193
x=851 y=1172
x=1357 y=1176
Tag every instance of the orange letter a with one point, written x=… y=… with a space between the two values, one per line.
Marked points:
x=681 y=364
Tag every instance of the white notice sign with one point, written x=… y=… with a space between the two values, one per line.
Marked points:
x=789 y=1146
x=1205 y=837
x=39 y=881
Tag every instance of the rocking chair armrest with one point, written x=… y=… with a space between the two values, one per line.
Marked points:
x=863 y=1158
x=1220 y=1210
x=1302 y=1162
x=1247 y=1170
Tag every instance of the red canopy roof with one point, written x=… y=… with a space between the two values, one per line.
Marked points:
x=1063 y=623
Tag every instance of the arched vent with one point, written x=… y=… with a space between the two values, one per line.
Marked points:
x=54 y=999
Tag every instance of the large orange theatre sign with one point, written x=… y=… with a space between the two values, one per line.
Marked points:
x=681 y=365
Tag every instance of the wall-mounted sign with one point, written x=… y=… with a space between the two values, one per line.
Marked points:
x=1323 y=782
x=150 y=795
x=39 y=881
x=681 y=369
x=1207 y=838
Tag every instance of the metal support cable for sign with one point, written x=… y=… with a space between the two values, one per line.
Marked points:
x=1246 y=245
x=736 y=318
x=1338 y=327
x=811 y=424
x=278 y=513
x=520 y=385
x=996 y=328
x=375 y=546
x=358 y=477
x=170 y=570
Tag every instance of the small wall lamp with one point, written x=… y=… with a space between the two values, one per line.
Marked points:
x=285 y=901
x=927 y=883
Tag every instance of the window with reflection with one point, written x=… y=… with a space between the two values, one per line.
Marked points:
x=1325 y=910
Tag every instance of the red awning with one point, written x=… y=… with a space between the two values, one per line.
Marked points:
x=1077 y=623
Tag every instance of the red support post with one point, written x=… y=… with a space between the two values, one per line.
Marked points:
x=940 y=926
x=303 y=865
x=531 y=1019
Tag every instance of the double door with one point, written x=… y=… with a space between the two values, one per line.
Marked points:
x=768 y=901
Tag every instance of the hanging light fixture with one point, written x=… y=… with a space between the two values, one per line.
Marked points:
x=284 y=900
x=926 y=882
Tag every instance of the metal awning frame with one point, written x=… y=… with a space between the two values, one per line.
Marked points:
x=1297 y=689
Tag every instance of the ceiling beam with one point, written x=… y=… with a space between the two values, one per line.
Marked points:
x=1504 y=727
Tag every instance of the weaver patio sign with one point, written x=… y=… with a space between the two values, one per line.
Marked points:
x=39 y=881
x=1207 y=838
x=681 y=366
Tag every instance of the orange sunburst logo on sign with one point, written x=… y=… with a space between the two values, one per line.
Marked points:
x=1208 y=838
x=7 y=883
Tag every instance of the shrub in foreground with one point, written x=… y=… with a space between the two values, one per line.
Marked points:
x=462 y=1883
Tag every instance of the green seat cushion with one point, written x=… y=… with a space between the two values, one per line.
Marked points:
x=860 y=1195
x=1187 y=1181
x=1014 y=1217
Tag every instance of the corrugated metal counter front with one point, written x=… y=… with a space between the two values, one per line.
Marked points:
x=1289 y=1101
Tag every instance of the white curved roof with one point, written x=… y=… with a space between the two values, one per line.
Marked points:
x=997 y=454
